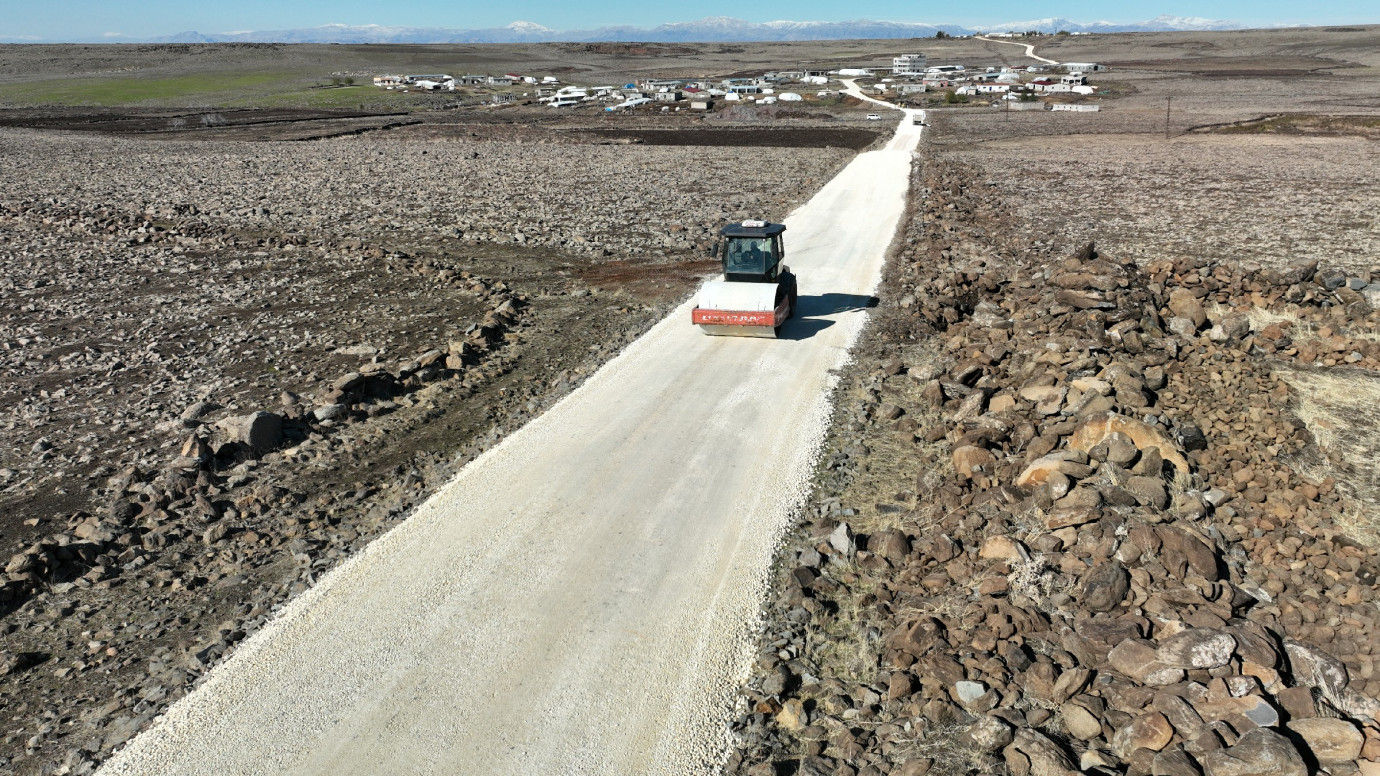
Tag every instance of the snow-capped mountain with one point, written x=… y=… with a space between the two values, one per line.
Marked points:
x=517 y=32
x=724 y=28
x=1167 y=22
x=1164 y=23
x=709 y=29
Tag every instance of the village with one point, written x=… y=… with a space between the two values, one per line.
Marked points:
x=910 y=81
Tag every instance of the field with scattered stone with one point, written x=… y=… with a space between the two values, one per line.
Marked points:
x=232 y=359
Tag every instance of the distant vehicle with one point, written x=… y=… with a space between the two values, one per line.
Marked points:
x=874 y=117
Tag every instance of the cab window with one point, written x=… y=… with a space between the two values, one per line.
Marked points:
x=750 y=254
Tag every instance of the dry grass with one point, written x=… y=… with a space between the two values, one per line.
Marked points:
x=848 y=640
x=1305 y=124
x=1035 y=581
x=943 y=746
x=899 y=458
x=1261 y=317
x=1301 y=329
x=1341 y=408
x=948 y=604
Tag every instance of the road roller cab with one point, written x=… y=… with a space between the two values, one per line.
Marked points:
x=758 y=292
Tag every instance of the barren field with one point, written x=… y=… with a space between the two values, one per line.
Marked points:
x=1227 y=198
x=1217 y=182
x=229 y=363
x=248 y=323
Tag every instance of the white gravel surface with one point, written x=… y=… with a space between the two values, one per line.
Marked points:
x=582 y=598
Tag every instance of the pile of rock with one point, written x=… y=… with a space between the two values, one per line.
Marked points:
x=1109 y=561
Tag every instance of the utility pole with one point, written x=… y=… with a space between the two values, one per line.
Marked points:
x=1168 y=101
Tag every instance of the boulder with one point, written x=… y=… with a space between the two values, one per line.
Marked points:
x=987 y=734
x=1313 y=667
x=1197 y=648
x=916 y=638
x=1040 y=470
x=1184 y=304
x=1260 y=752
x=1146 y=731
x=1138 y=659
x=1331 y=741
x=841 y=540
x=1180 y=713
x=1032 y=754
x=1096 y=428
x=1119 y=449
x=970 y=462
x=793 y=716
x=1047 y=398
x=890 y=544
x=1002 y=547
x=1105 y=586
x=259 y=432
x=329 y=411
x=1174 y=761
x=1232 y=328
x=968 y=691
x=1079 y=722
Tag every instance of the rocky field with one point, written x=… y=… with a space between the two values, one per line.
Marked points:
x=1224 y=198
x=228 y=365
x=1085 y=508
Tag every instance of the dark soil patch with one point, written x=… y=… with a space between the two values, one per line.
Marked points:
x=181 y=122
x=619 y=49
x=647 y=282
x=1258 y=67
x=1299 y=124
x=854 y=139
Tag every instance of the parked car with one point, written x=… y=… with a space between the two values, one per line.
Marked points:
x=874 y=117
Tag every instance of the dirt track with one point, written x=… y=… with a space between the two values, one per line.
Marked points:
x=577 y=600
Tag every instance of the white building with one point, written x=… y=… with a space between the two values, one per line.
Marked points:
x=908 y=64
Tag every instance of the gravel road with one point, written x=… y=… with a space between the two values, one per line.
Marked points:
x=581 y=598
x=1029 y=49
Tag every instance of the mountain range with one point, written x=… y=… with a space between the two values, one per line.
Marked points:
x=710 y=29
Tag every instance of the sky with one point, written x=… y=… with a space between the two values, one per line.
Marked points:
x=84 y=20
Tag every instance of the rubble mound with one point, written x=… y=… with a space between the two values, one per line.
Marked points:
x=1073 y=521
